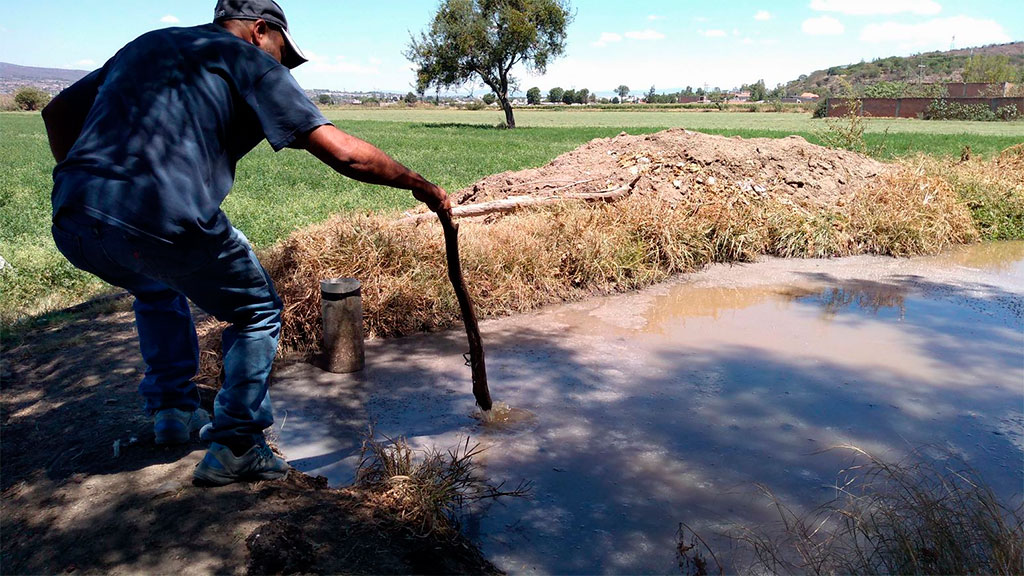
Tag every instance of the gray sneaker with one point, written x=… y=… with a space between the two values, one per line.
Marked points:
x=220 y=466
x=173 y=426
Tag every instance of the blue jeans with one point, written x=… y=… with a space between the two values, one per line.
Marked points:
x=221 y=275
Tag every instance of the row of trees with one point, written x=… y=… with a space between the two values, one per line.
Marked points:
x=559 y=94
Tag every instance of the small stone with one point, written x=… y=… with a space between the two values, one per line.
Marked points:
x=677 y=183
x=166 y=488
x=712 y=180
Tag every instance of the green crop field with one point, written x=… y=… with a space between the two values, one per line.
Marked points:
x=278 y=193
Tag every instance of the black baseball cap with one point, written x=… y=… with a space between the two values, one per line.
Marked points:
x=266 y=10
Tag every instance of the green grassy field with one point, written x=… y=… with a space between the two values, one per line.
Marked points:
x=278 y=193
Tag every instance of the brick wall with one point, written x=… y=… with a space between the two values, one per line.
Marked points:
x=913 y=107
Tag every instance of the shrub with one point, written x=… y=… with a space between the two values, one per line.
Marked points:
x=821 y=108
x=947 y=110
x=30 y=98
x=1007 y=112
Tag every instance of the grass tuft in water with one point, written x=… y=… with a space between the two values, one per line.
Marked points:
x=428 y=494
x=918 y=516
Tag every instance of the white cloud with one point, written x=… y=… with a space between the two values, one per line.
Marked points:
x=338 y=64
x=170 y=19
x=936 y=34
x=86 y=62
x=712 y=33
x=822 y=26
x=645 y=35
x=877 y=7
x=654 y=17
x=606 y=39
x=763 y=15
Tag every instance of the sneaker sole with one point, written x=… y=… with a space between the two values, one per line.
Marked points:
x=211 y=479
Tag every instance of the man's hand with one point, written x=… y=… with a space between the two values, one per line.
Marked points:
x=434 y=197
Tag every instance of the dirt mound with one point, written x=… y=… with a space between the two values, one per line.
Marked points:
x=677 y=162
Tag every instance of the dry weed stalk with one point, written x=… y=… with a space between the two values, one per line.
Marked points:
x=913 y=517
x=426 y=495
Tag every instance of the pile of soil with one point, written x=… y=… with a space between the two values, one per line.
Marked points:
x=676 y=162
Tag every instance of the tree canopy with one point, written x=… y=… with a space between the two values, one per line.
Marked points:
x=485 y=39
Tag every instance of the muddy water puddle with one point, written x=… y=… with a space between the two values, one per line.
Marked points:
x=633 y=413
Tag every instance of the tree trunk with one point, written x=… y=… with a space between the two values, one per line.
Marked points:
x=510 y=120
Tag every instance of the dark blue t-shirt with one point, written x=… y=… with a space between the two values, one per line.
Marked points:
x=174 y=111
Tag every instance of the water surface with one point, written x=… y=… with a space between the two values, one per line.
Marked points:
x=638 y=412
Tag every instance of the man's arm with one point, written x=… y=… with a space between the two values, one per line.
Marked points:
x=365 y=162
x=65 y=115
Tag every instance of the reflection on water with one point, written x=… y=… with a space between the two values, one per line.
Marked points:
x=874 y=298
x=1003 y=257
x=857 y=296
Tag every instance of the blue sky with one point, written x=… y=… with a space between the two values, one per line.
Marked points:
x=666 y=43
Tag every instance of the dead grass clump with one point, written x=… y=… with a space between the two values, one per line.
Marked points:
x=915 y=517
x=425 y=495
x=907 y=212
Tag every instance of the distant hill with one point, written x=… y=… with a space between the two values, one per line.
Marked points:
x=929 y=67
x=53 y=80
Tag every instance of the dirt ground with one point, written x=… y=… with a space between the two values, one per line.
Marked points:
x=85 y=489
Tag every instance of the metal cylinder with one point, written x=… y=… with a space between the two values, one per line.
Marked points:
x=341 y=305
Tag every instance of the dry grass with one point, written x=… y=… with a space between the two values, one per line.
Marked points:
x=914 y=517
x=571 y=251
x=992 y=190
x=425 y=495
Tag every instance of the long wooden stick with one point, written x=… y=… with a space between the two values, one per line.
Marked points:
x=514 y=203
x=476 y=347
